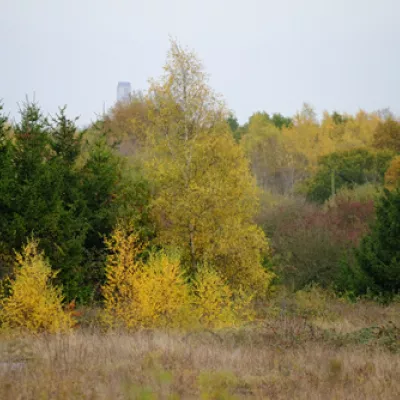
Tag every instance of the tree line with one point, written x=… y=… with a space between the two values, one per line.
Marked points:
x=278 y=199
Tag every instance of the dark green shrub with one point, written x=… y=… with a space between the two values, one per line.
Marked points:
x=379 y=252
x=346 y=169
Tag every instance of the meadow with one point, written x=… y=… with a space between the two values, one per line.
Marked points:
x=303 y=348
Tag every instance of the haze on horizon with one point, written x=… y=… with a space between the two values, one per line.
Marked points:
x=261 y=54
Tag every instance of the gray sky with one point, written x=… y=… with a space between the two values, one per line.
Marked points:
x=267 y=55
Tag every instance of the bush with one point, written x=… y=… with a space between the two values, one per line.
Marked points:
x=310 y=242
x=216 y=305
x=161 y=295
x=363 y=194
x=141 y=295
x=156 y=294
x=33 y=302
x=313 y=301
x=122 y=264
x=346 y=169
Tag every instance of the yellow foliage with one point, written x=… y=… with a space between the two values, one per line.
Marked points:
x=313 y=302
x=34 y=304
x=122 y=265
x=141 y=296
x=264 y=147
x=205 y=198
x=162 y=297
x=306 y=141
x=216 y=305
x=156 y=294
x=392 y=175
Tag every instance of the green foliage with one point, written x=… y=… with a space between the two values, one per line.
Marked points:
x=189 y=183
x=67 y=198
x=387 y=336
x=309 y=242
x=66 y=142
x=313 y=301
x=281 y=121
x=4 y=127
x=232 y=122
x=379 y=252
x=217 y=385
x=338 y=119
x=361 y=194
x=346 y=169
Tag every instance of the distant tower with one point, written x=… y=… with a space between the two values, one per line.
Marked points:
x=123 y=91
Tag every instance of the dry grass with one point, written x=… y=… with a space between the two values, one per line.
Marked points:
x=285 y=357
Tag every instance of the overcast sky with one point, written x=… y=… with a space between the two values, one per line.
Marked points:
x=267 y=55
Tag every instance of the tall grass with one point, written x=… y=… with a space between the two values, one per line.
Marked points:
x=288 y=355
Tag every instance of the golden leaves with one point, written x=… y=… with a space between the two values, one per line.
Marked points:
x=34 y=303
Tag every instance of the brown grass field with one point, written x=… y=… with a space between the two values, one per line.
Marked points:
x=334 y=351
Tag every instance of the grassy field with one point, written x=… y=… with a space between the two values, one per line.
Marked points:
x=329 y=350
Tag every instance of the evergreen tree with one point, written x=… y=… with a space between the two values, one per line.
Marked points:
x=66 y=141
x=379 y=252
x=7 y=188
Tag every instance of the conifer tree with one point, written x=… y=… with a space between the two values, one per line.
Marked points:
x=379 y=252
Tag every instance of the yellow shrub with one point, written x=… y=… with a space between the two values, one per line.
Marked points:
x=137 y=295
x=216 y=305
x=392 y=175
x=34 y=304
x=161 y=294
x=313 y=302
x=121 y=267
x=156 y=294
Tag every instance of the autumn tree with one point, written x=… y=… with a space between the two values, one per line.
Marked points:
x=263 y=145
x=392 y=175
x=204 y=195
x=126 y=123
x=387 y=135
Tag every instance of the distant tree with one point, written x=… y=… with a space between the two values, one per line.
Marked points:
x=387 y=135
x=260 y=116
x=348 y=168
x=280 y=121
x=233 y=122
x=338 y=119
x=264 y=147
x=126 y=123
x=66 y=141
x=4 y=127
x=392 y=175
